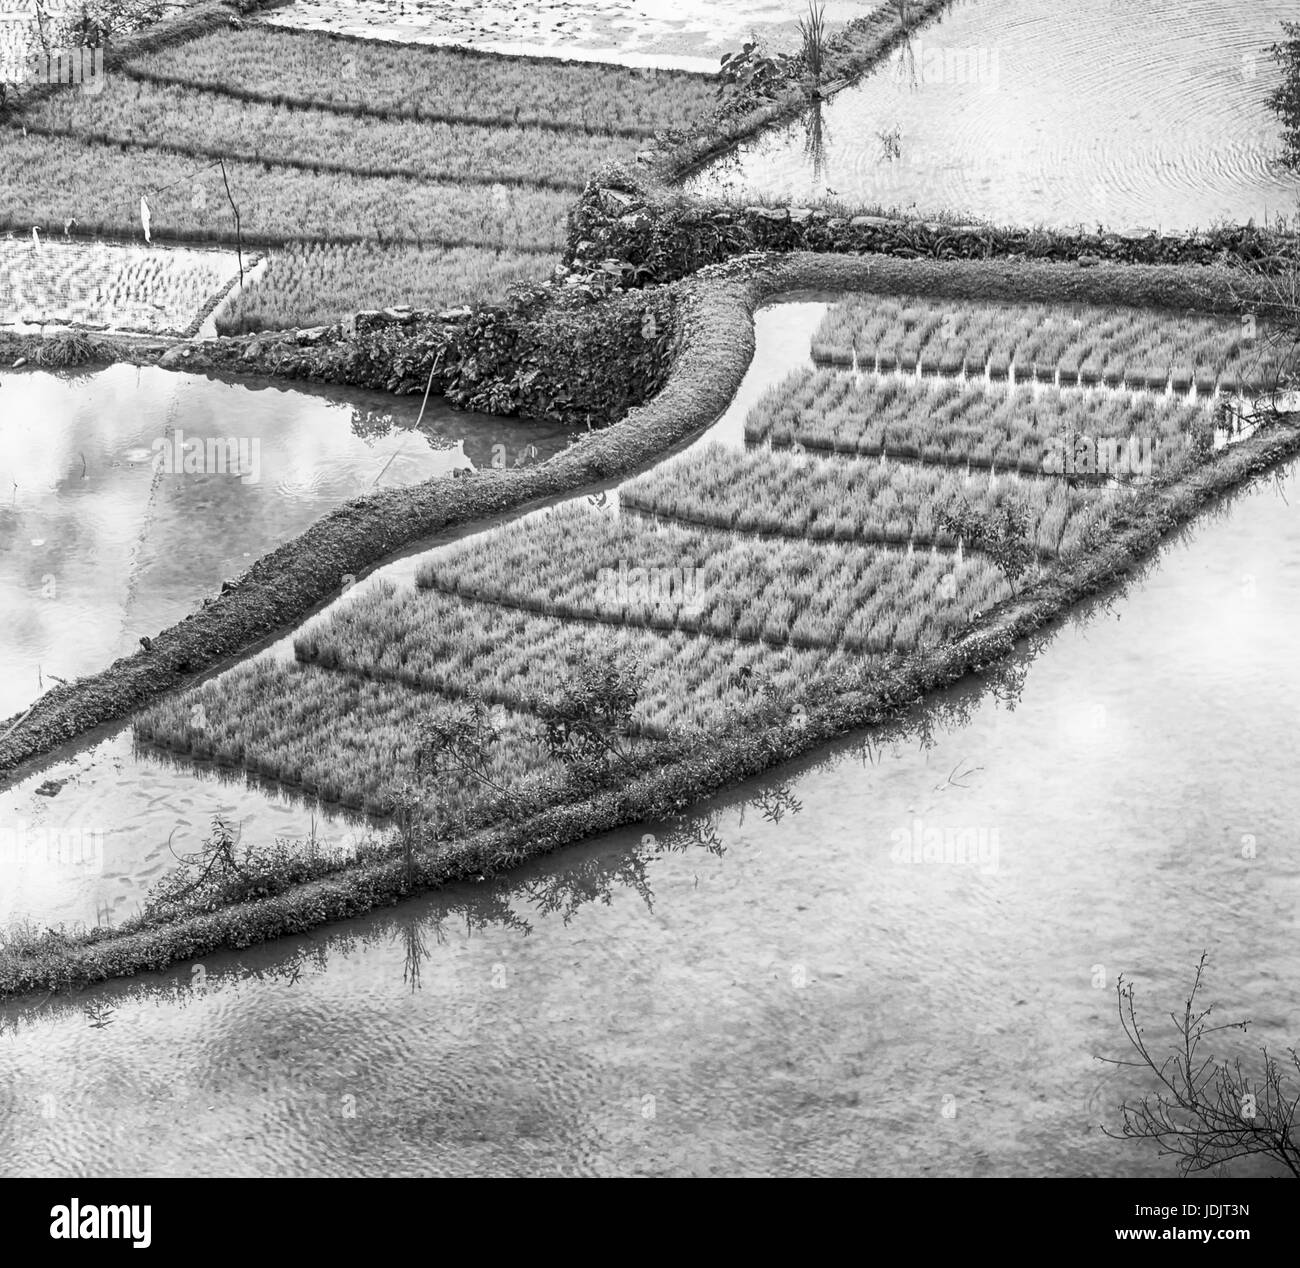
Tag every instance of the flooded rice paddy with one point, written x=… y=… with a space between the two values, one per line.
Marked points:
x=798 y=980
x=791 y=984
x=1133 y=117
x=129 y=495
x=895 y=957
x=653 y=33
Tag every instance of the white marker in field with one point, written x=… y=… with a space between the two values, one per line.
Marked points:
x=145 y=217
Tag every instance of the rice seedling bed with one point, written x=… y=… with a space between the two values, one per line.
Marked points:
x=783 y=493
x=313 y=284
x=436 y=641
x=1040 y=339
x=134 y=112
x=580 y=562
x=136 y=288
x=51 y=180
x=961 y=423
x=340 y=737
x=426 y=82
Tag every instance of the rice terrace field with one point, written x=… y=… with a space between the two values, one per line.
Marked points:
x=463 y=164
x=682 y=682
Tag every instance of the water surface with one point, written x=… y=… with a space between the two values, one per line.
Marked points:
x=107 y=536
x=1018 y=111
x=814 y=997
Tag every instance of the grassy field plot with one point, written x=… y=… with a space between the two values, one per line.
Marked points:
x=461 y=165
x=436 y=641
x=151 y=290
x=414 y=81
x=1048 y=343
x=963 y=423
x=734 y=580
x=584 y=563
x=341 y=737
x=855 y=500
x=138 y=113
x=330 y=282
x=51 y=180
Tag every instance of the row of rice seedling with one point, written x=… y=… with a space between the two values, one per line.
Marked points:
x=964 y=423
x=317 y=284
x=422 y=81
x=854 y=499
x=340 y=737
x=579 y=562
x=1049 y=343
x=436 y=641
x=98 y=284
x=49 y=181
x=135 y=112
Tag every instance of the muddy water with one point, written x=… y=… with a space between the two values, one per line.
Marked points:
x=106 y=535
x=815 y=998
x=1132 y=116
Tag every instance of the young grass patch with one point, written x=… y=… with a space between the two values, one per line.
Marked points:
x=1087 y=345
x=339 y=737
x=49 y=181
x=310 y=284
x=580 y=562
x=204 y=125
x=97 y=284
x=441 y=642
x=391 y=173
x=412 y=81
x=964 y=423
x=783 y=493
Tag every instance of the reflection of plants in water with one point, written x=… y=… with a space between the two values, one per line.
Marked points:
x=371 y=424
x=1267 y=294
x=99 y=1014
x=905 y=59
x=417 y=951
x=596 y=878
x=815 y=138
x=496 y=903
x=891 y=143
x=775 y=801
x=376 y=424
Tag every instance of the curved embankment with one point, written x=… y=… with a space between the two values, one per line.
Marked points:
x=716 y=345
x=712 y=348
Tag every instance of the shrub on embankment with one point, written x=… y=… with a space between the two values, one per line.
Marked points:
x=562 y=355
